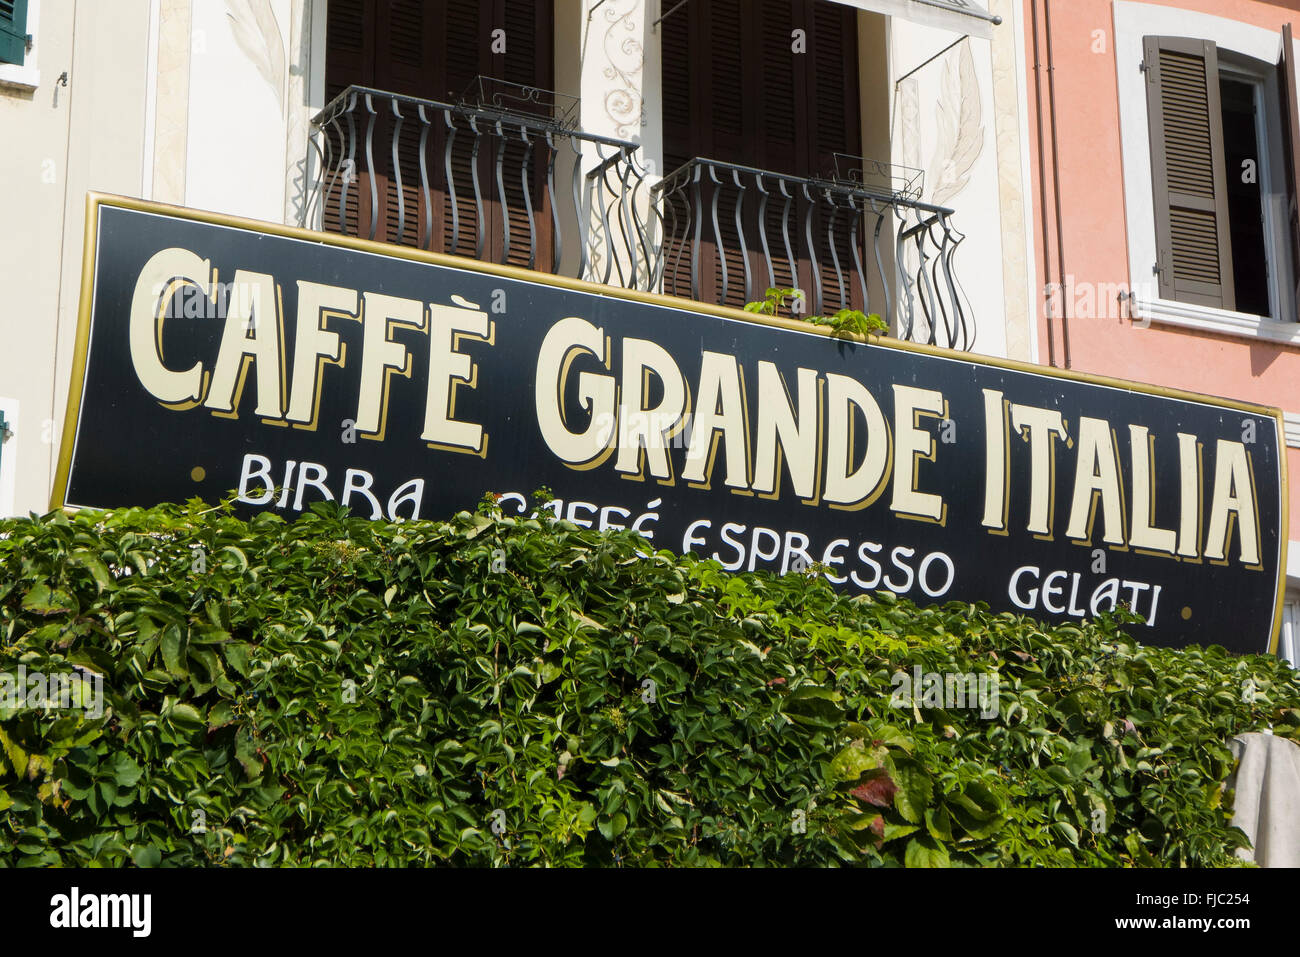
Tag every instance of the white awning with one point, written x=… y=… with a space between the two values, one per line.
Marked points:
x=961 y=16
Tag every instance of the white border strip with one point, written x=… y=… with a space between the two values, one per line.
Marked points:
x=9 y=457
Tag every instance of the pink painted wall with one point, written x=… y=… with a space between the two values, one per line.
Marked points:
x=1095 y=233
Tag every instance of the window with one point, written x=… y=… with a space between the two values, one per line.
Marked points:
x=8 y=454
x=13 y=31
x=772 y=85
x=1222 y=129
x=434 y=49
x=736 y=90
x=1288 y=644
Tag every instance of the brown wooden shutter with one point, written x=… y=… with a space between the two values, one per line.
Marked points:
x=728 y=95
x=406 y=62
x=1188 y=176
x=836 y=128
x=433 y=49
x=678 y=96
x=781 y=116
x=731 y=103
x=1286 y=75
x=349 y=40
x=527 y=62
x=834 y=70
x=467 y=35
x=734 y=90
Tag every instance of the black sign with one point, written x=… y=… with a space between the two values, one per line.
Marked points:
x=295 y=367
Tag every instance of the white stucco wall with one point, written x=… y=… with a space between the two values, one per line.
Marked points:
x=239 y=73
x=59 y=142
x=942 y=122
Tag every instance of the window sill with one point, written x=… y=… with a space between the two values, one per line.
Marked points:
x=1218 y=321
x=24 y=79
x=1292 y=422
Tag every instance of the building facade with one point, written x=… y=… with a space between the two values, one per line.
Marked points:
x=1165 y=140
x=985 y=176
x=588 y=137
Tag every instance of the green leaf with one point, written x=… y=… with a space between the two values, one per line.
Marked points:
x=236 y=655
x=1067 y=831
x=612 y=827
x=125 y=772
x=915 y=790
x=98 y=570
x=852 y=761
x=926 y=852
x=894 y=831
x=185 y=717
x=173 y=651
x=146 y=856
x=43 y=600
x=819 y=707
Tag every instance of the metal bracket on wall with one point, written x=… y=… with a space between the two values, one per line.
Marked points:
x=673 y=9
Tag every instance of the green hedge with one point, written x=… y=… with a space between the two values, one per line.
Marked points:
x=490 y=691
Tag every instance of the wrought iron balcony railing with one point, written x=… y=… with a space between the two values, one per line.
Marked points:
x=849 y=241
x=501 y=175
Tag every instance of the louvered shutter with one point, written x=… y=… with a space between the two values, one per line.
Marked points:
x=835 y=127
x=1188 y=176
x=679 y=104
x=678 y=97
x=735 y=90
x=522 y=229
x=349 y=45
x=1286 y=74
x=434 y=50
x=406 y=62
x=13 y=31
x=729 y=101
x=465 y=37
x=834 y=72
x=729 y=28
x=349 y=32
x=783 y=121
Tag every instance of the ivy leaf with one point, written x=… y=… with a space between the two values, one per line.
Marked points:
x=878 y=789
x=926 y=852
x=852 y=761
x=612 y=827
x=146 y=856
x=172 y=646
x=915 y=791
x=126 y=773
x=41 y=599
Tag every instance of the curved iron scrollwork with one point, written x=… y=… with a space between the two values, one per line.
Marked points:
x=731 y=231
x=483 y=177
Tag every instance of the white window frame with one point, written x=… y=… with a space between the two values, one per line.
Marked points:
x=1272 y=177
x=9 y=457
x=1288 y=642
x=1133 y=21
x=27 y=76
x=1288 y=639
